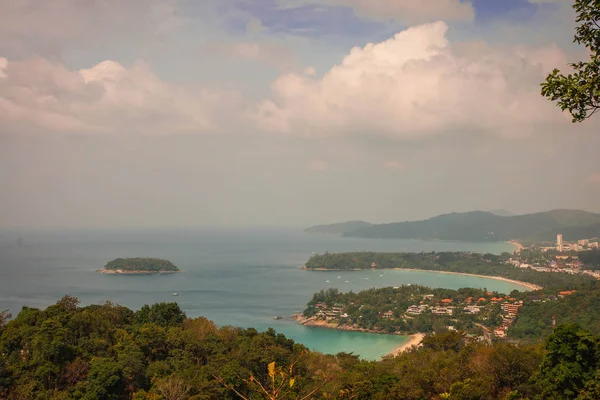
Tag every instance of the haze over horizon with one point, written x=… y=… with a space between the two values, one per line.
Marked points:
x=153 y=113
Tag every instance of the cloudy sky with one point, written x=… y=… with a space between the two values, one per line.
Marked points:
x=285 y=112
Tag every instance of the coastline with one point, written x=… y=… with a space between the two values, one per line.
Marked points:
x=527 y=285
x=518 y=245
x=530 y=286
x=319 y=323
x=138 y=272
x=415 y=341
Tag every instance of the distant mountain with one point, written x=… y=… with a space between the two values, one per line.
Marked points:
x=502 y=213
x=486 y=226
x=339 y=228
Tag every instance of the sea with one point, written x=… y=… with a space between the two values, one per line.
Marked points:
x=240 y=277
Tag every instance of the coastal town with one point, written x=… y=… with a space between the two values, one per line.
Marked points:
x=578 y=257
x=488 y=316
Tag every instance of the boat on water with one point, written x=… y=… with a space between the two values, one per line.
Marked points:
x=175 y=294
x=278 y=317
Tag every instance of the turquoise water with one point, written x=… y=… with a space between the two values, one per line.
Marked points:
x=234 y=277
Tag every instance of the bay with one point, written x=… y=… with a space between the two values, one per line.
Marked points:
x=240 y=277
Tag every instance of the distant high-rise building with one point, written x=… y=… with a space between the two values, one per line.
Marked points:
x=559 y=242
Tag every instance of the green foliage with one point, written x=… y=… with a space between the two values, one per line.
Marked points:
x=571 y=363
x=579 y=92
x=141 y=264
x=63 y=352
x=535 y=319
x=161 y=314
x=444 y=341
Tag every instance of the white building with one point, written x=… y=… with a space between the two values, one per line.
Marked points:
x=559 y=242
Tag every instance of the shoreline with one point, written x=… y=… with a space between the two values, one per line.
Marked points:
x=414 y=341
x=138 y=272
x=518 y=245
x=319 y=323
x=530 y=286
x=527 y=285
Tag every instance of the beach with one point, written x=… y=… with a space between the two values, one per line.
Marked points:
x=415 y=340
x=529 y=286
x=518 y=245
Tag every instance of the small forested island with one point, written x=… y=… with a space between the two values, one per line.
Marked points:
x=139 y=266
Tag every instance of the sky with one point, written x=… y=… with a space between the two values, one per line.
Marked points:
x=182 y=113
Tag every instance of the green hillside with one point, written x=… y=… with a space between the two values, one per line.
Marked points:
x=486 y=226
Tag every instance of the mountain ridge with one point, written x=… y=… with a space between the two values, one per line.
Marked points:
x=482 y=226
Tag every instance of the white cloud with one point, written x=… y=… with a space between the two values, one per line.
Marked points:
x=108 y=97
x=417 y=84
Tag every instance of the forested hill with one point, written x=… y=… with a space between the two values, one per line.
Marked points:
x=486 y=226
x=339 y=228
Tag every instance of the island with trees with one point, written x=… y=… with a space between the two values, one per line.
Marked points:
x=139 y=266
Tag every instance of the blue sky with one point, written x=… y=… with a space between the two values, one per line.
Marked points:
x=322 y=18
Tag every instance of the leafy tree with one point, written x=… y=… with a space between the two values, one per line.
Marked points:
x=579 y=92
x=571 y=362
x=105 y=380
x=444 y=341
x=162 y=314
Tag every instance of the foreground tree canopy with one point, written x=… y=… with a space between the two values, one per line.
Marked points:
x=579 y=92
x=109 y=352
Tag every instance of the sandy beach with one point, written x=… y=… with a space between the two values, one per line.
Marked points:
x=518 y=245
x=529 y=286
x=415 y=340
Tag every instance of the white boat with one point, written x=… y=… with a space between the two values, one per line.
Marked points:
x=175 y=294
x=327 y=281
